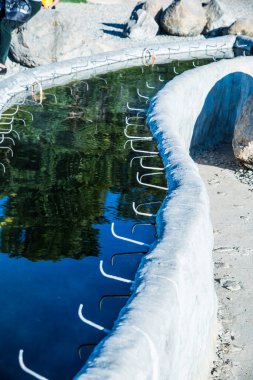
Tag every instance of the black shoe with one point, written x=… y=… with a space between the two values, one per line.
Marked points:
x=3 y=70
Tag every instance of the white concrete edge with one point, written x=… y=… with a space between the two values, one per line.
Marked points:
x=14 y=87
x=167 y=330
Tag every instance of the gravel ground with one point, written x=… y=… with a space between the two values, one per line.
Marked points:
x=230 y=189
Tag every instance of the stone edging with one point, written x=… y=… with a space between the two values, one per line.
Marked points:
x=168 y=328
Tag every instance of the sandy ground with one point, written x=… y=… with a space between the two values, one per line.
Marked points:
x=230 y=189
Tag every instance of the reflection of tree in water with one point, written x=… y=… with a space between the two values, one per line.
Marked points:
x=67 y=160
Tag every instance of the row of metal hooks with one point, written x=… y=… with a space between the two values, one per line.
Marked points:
x=130 y=122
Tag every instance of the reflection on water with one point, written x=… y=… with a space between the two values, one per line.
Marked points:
x=69 y=179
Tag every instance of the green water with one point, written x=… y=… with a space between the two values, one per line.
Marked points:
x=68 y=180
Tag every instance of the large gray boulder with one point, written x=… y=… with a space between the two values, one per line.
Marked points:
x=242 y=26
x=184 y=18
x=243 y=135
x=218 y=16
x=50 y=36
x=142 y=28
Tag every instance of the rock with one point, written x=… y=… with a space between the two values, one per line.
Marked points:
x=217 y=17
x=242 y=26
x=142 y=28
x=152 y=7
x=243 y=135
x=184 y=18
x=50 y=36
x=231 y=285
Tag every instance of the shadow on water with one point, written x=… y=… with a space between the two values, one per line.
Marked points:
x=68 y=181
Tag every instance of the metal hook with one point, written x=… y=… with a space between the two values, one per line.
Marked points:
x=149 y=167
x=139 y=180
x=133 y=117
x=3 y=166
x=142 y=96
x=90 y=323
x=160 y=79
x=139 y=138
x=175 y=71
x=116 y=278
x=53 y=95
x=138 y=150
x=141 y=213
x=138 y=157
x=88 y=345
x=148 y=86
x=7 y=147
x=27 y=370
x=124 y=254
x=112 y=296
x=141 y=224
x=103 y=79
x=5 y=138
x=136 y=109
x=127 y=239
x=144 y=204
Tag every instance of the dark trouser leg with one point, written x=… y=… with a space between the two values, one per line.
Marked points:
x=7 y=27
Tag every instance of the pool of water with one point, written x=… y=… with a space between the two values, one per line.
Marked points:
x=68 y=180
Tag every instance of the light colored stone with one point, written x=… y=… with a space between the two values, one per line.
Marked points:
x=184 y=18
x=243 y=135
x=144 y=27
x=242 y=26
x=50 y=36
x=218 y=16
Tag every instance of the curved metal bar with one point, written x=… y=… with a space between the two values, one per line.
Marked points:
x=88 y=345
x=103 y=79
x=8 y=122
x=90 y=323
x=28 y=112
x=133 y=117
x=148 y=184
x=124 y=254
x=141 y=224
x=5 y=138
x=87 y=85
x=7 y=147
x=116 y=278
x=138 y=157
x=11 y=114
x=138 y=150
x=140 y=138
x=26 y=369
x=160 y=79
x=112 y=296
x=19 y=119
x=142 y=96
x=194 y=65
x=53 y=95
x=149 y=167
x=148 y=86
x=127 y=239
x=3 y=166
x=175 y=71
x=141 y=213
x=136 y=109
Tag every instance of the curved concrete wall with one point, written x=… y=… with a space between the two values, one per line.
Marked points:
x=167 y=330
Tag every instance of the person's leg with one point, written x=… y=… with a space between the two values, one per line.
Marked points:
x=36 y=5
x=6 y=28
